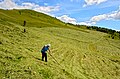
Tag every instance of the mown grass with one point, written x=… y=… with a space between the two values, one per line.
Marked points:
x=82 y=54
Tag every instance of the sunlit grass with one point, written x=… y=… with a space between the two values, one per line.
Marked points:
x=82 y=54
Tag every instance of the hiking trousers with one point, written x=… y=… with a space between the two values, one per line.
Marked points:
x=44 y=55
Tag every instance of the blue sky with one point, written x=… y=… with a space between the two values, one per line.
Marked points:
x=102 y=13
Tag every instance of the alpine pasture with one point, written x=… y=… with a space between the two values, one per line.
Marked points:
x=80 y=53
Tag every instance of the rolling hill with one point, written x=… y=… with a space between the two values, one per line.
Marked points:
x=80 y=53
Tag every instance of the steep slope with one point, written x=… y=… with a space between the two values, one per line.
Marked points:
x=32 y=18
x=80 y=54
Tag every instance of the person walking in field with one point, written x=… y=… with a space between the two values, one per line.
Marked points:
x=44 y=52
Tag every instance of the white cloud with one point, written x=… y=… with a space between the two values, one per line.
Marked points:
x=67 y=19
x=10 y=4
x=113 y=15
x=45 y=4
x=92 y=2
x=98 y=18
x=84 y=23
x=7 y=4
x=46 y=9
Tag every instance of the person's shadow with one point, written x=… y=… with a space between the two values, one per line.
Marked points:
x=37 y=58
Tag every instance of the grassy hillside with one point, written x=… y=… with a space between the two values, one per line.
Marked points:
x=32 y=18
x=82 y=54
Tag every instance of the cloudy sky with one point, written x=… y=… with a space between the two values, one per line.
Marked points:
x=102 y=13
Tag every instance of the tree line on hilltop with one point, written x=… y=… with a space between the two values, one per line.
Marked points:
x=113 y=33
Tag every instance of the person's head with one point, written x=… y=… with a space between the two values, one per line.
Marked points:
x=48 y=45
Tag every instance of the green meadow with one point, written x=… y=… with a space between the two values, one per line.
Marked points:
x=80 y=53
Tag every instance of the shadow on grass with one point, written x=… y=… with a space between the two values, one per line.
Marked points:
x=37 y=58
